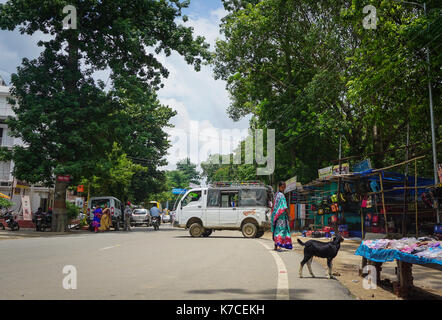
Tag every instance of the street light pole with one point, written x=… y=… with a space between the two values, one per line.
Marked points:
x=433 y=134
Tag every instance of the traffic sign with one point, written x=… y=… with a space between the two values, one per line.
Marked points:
x=178 y=191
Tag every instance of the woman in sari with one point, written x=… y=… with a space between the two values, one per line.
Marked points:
x=280 y=221
x=106 y=219
x=97 y=218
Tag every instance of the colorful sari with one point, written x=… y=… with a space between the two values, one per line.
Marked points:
x=105 y=221
x=280 y=222
x=97 y=218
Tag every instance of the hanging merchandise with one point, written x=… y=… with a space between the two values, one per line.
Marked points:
x=355 y=197
x=368 y=220
x=348 y=188
x=364 y=203
x=374 y=186
x=426 y=198
x=343 y=198
x=369 y=203
x=375 y=220
x=334 y=207
x=334 y=198
x=334 y=218
x=320 y=211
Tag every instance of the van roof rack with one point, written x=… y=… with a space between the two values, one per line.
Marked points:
x=236 y=183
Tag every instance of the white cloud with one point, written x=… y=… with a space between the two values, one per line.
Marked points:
x=199 y=100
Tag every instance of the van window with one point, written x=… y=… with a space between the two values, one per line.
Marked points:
x=229 y=199
x=191 y=197
x=100 y=203
x=213 y=198
x=253 y=198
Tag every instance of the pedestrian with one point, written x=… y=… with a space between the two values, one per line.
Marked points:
x=106 y=219
x=280 y=222
x=127 y=215
x=97 y=218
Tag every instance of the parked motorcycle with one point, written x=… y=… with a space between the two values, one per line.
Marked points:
x=10 y=221
x=156 y=223
x=43 y=221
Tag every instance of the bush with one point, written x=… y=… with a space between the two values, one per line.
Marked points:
x=4 y=203
x=72 y=211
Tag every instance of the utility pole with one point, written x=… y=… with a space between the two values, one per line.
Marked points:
x=433 y=135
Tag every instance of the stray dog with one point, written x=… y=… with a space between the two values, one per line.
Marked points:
x=315 y=248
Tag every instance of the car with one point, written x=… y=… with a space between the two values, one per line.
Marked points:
x=141 y=216
x=225 y=207
x=166 y=218
x=115 y=206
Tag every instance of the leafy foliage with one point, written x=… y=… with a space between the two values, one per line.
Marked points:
x=311 y=71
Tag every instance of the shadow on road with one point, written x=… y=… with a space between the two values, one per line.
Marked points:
x=212 y=237
x=295 y=294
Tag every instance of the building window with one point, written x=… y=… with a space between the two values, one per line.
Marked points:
x=5 y=170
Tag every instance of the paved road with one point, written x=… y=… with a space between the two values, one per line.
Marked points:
x=164 y=264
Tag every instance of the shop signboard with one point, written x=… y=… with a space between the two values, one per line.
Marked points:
x=362 y=166
x=26 y=205
x=345 y=169
x=325 y=172
x=291 y=184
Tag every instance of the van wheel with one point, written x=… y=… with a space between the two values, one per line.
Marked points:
x=249 y=230
x=196 y=230
x=207 y=233
x=260 y=233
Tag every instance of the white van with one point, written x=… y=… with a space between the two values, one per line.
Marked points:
x=115 y=206
x=245 y=208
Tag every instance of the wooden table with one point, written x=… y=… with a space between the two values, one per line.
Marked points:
x=404 y=272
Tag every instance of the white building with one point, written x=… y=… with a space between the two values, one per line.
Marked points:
x=39 y=196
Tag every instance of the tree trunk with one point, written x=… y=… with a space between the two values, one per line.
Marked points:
x=59 y=215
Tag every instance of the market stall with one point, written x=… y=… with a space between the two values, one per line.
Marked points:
x=423 y=251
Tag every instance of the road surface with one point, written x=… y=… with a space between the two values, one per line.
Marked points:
x=165 y=264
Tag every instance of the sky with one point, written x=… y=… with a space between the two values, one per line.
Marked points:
x=200 y=101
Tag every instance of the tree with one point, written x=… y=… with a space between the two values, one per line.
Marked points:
x=66 y=119
x=114 y=175
x=311 y=71
x=189 y=170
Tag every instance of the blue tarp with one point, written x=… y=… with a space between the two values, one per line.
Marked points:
x=384 y=255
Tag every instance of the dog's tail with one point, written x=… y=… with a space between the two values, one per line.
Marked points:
x=300 y=242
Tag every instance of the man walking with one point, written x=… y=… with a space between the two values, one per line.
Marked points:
x=127 y=216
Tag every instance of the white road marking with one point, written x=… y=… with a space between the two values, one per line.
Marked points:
x=106 y=248
x=282 y=289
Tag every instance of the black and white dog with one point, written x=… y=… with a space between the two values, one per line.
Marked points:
x=315 y=248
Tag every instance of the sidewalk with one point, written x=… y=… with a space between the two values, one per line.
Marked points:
x=346 y=269
x=31 y=233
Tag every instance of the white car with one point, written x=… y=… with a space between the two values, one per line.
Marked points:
x=166 y=218
x=244 y=208
x=140 y=217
